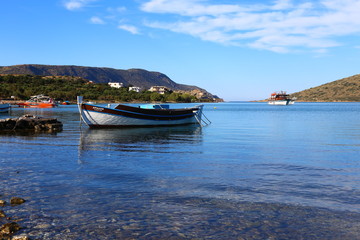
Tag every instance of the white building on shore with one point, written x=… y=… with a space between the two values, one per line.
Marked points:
x=135 y=89
x=116 y=84
x=159 y=89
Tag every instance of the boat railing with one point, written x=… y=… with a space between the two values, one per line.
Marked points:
x=201 y=117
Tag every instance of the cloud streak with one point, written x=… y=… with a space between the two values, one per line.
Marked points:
x=97 y=20
x=129 y=28
x=73 y=5
x=282 y=26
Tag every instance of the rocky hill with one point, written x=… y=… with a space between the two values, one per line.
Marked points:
x=343 y=90
x=136 y=77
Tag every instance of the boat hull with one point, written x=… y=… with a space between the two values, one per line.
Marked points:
x=37 y=105
x=127 y=116
x=281 y=102
x=4 y=108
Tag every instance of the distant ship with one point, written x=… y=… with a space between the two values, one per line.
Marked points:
x=281 y=98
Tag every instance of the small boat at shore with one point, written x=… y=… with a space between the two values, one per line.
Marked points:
x=280 y=98
x=4 y=107
x=149 y=115
x=38 y=101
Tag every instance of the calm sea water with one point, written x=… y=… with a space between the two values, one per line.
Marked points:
x=257 y=172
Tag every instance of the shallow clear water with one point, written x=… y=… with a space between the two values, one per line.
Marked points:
x=257 y=172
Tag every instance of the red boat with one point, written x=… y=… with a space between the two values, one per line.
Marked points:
x=38 y=101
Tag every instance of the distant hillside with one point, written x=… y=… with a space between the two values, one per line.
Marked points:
x=343 y=90
x=61 y=88
x=136 y=77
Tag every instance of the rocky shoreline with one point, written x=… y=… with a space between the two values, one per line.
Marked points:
x=30 y=123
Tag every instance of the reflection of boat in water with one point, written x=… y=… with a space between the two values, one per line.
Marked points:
x=143 y=115
x=138 y=140
x=38 y=101
x=4 y=107
x=141 y=134
x=280 y=98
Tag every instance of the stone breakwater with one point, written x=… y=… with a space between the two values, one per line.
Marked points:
x=32 y=123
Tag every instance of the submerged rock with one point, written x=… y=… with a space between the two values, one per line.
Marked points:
x=20 y=237
x=30 y=122
x=9 y=228
x=17 y=201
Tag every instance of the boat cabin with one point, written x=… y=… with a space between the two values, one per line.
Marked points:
x=282 y=95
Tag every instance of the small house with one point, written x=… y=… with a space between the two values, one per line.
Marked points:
x=116 y=84
x=159 y=89
x=135 y=89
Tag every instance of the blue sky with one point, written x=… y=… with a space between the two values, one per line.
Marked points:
x=238 y=50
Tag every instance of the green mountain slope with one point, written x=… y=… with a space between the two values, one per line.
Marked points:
x=343 y=90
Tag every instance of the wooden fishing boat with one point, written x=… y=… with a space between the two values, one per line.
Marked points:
x=280 y=98
x=4 y=107
x=38 y=101
x=96 y=116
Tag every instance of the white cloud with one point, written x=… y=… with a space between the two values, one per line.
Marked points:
x=282 y=4
x=129 y=28
x=190 y=7
x=97 y=20
x=76 y=4
x=282 y=26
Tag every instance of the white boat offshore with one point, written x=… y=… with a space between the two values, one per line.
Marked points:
x=280 y=98
x=148 y=115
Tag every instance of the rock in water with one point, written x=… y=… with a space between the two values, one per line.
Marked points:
x=2 y=214
x=9 y=228
x=17 y=201
x=20 y=237
x=32 y=123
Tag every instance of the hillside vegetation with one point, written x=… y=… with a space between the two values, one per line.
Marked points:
x=67 y=88
x=343 y=90
x=131 y=77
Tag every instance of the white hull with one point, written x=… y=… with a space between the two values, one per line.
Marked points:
x=281 y=102
x=130 y=116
